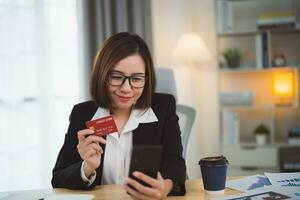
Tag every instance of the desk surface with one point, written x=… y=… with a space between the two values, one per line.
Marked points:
x=113 y=192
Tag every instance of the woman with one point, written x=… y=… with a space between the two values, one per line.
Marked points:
x=122 y=85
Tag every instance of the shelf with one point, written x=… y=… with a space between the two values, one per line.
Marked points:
x=244 y=16
x=237 y=0
x=237 y=28
x=253 y=145
x=254 y=70
x=255 y=157
x=251 y=107
x=258 y=50
x=255 y=32
x=257 y=107
x=239 y=25
x=242 y=33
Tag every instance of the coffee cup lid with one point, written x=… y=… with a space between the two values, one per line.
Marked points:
x=213 y=161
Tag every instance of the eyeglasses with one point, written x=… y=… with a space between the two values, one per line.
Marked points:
x=118 y=79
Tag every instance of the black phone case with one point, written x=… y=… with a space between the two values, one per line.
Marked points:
x=146 y=159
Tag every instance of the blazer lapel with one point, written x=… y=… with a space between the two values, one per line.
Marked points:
x=143 y=134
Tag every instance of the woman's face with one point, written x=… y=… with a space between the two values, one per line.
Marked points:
x=124 y=96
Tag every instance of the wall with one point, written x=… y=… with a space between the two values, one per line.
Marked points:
x=197 y=86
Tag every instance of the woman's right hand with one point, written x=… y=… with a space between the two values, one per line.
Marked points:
x=89 y=150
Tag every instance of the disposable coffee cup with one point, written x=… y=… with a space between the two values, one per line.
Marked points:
x=213 y=170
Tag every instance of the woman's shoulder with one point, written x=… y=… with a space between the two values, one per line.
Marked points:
x=87 y=107
x=86 y=104
x=162 y=97
x=161 y=100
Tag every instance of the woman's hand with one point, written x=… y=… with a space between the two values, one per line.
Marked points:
x=159 y=188
x=89 y=150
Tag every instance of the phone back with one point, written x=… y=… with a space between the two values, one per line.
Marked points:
x=146 y=159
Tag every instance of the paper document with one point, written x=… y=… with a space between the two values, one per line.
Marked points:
x=266 y=193
x=248 y=183
x=71 y=197
x=284 y=179
x=44 y=196
x=22 y=196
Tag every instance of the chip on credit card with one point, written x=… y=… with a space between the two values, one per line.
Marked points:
x=102 y=126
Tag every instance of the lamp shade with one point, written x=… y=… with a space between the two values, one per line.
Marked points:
x=190 y=48
x=284 y=87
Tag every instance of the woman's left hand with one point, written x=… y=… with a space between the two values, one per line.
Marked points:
x=159 y=188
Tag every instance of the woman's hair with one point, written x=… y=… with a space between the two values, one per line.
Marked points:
x=114 y=49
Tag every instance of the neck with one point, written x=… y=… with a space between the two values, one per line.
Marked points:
x=121 y=112
x=121 y=117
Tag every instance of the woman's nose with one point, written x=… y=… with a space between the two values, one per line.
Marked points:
x=126 y=87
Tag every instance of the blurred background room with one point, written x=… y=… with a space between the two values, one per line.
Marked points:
x=235 y=63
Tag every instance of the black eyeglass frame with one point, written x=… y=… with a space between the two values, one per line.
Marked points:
x=129 y=79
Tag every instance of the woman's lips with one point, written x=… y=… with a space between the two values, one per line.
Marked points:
x=124 y=99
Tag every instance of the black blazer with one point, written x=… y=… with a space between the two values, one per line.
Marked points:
x=165 y=132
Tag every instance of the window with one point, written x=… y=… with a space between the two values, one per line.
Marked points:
x=39 y=84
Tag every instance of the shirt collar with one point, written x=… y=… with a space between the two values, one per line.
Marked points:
x=136 y=117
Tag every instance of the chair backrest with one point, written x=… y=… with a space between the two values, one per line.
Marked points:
x=166 y=84
x=186 y=116
x=166 y=81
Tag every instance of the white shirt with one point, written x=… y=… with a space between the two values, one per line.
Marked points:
x=118 y=148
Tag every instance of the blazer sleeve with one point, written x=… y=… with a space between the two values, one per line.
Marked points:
x=66 y=172
x=173 y=164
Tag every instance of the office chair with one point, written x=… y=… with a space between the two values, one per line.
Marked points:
x=166 y=84
x=165 y=81
x=186 y=116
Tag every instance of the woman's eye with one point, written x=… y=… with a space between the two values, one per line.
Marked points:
x=137 y=78
x=117 y=77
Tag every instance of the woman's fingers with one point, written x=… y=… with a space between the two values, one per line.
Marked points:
x=86 y=137
x=159 y=176
x=96 y=147
x=156 y=190
x=136 y=194
x=93 y=139
x=89 y=154
x=83 y=150
x=88 y=145
x=141 y=188
x=154 y=183
x=82 y=134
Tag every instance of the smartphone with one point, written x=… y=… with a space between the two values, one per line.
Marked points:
x=145 y=159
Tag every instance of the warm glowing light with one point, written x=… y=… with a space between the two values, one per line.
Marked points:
x=283 y=87
x=283 y=84
x=191 y=48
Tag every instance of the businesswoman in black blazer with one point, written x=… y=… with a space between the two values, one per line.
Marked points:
x=122 y=85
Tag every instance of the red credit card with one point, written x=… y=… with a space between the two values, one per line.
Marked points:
x=102 y=126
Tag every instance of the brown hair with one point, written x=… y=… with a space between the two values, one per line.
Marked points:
x=114 y=49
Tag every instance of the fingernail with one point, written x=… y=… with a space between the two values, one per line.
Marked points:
x=136 y=173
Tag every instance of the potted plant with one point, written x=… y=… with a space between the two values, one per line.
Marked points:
x=232 y=57
x=261 y=132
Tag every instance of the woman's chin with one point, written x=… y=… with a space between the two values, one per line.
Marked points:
x=123 y=105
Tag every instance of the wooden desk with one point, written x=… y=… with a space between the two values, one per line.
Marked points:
x=116 y=192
